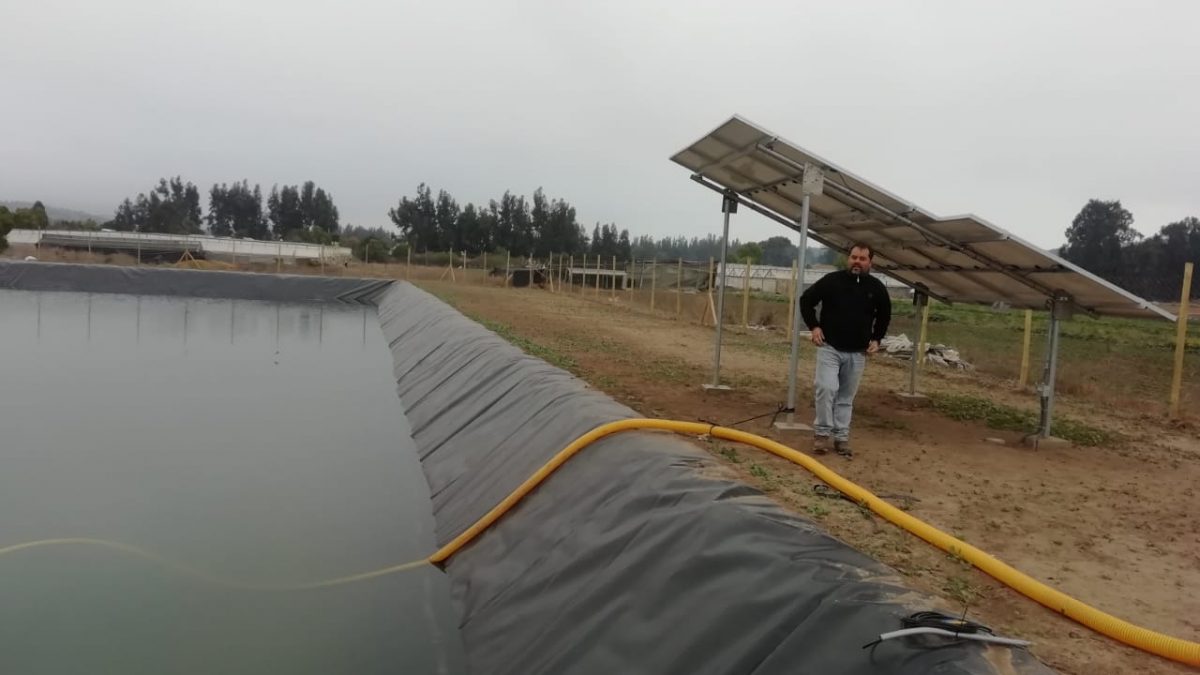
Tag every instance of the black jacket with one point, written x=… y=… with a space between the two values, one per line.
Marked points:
x=855 y=309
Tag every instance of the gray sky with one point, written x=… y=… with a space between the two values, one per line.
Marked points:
x=1016 y=111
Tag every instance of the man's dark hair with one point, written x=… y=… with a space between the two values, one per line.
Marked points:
x=859 y=244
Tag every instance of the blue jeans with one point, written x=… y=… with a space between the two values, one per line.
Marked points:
x=834 y=387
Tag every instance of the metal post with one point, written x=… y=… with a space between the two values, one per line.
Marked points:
x=918 y=350
x=746 y=298
x=728 y=206
x=789 y=422
x=571 y=273
x=597 y=276
x=507 y=264
x=1060 y=308
x=1051 y=374
x=791 y=301
x=485 y=267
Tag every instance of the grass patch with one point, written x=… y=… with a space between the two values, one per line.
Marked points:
x=962 y=590
x=968 y=408
x=547 y=354
x=817 y=510
x=758 y=471
x=528 y=346
x=669 y=370
x=731 y=454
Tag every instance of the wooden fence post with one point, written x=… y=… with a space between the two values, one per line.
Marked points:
x=1181 y=338
x=1023 y=380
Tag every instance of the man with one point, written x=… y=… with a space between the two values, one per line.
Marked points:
x=855 y=312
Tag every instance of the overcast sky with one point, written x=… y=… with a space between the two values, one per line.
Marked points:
x=1015 y=111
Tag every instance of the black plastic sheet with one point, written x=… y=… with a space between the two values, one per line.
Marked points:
x=631 y=558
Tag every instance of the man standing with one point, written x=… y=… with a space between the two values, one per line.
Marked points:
x=855 y=313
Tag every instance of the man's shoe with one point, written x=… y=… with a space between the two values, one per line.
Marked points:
x=821 y=445
x=843 y=448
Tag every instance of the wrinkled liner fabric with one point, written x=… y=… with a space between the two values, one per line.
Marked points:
x=629 y=559
x=44 y=276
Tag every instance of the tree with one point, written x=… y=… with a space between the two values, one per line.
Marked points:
x=40 y=220
x=445 y=218
x=594 y=249
x=624 y=249
x=751 y=252
x=284 y=212
x=236 y=210
x=417 y=220
x=778 y=251
x=7 y=221
x=172 y=207
x=304 y=213
x=1097 y=237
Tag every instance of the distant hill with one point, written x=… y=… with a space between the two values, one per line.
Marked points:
x=56 y=214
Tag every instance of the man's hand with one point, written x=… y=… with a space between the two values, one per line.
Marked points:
x=872 y=346
x=818 y=337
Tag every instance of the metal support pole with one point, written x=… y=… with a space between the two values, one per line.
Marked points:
x=1051 y=370
x=918 y=347
x=728 y=206
x=746 y=298
x=507 y=264
x=789 y=422
x=571 y=273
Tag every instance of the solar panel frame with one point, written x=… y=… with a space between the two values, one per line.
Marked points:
x=958 y=259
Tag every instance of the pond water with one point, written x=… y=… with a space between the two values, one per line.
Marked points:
x=259 y=443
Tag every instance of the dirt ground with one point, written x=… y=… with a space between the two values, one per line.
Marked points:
x=1112 y=526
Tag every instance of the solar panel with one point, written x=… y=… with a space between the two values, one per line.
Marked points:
x=957 y=259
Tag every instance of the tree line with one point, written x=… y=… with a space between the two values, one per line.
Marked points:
x=538 y=226
x=1101 y=239
x=32 y=218
x=292 y=212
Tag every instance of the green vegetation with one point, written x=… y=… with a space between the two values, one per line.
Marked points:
x=997 y=416
x=818 y=510
x=33 y=218
x=730 y=454
x=547 y=354
x=528 y=346
x=961 y=589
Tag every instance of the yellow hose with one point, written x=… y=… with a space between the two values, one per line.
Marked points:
x=1151 y=641
x=1176 y=649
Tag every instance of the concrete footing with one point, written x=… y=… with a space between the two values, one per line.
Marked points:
x=915 y=400
x=717 y=387
x=1049 y=443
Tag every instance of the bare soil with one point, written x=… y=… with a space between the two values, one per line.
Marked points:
x=1112 y=526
